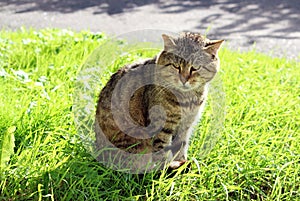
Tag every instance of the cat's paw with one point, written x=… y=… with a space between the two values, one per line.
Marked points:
x=176 y=164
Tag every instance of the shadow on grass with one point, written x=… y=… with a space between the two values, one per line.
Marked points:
x=88 y=180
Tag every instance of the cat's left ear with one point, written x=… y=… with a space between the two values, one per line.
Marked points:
x=169 y=43
x=213 y=47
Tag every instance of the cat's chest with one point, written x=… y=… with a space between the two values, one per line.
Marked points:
x=190 y=103
x=190 y=112
x=178 y=106
x=184 y=108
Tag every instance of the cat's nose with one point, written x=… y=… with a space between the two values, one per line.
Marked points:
x=183 y=79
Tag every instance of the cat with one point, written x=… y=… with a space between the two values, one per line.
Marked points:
x=152 y=106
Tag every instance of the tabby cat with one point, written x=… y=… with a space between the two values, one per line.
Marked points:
x=152 y=106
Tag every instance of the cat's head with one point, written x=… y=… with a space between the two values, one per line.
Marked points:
x=188 y=61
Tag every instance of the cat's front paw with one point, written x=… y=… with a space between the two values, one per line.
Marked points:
x=176 y=164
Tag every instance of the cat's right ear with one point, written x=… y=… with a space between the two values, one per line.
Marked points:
x=213 y=47
x=169 y=43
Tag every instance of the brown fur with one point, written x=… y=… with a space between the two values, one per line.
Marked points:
x=158 y=116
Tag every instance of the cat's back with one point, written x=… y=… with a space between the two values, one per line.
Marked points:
x=125 y=80
x=121 y=104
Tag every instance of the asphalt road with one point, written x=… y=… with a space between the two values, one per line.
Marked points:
x=270 y=26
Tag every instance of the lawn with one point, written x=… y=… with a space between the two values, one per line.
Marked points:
x=257 y=154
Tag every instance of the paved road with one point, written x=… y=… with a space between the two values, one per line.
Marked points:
x=272 y=25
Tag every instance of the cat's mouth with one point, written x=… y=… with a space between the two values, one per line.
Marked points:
x=185 y=87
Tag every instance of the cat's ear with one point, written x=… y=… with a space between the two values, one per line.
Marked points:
x=169 y=43
x=213 y=47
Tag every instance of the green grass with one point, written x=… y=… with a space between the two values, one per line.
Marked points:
x=256 y=157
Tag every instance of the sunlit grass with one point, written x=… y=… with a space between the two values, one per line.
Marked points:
x=257 y=156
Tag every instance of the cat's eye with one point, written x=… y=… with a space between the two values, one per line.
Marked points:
x=193 y=68
x=176 y=66
x=173 y=65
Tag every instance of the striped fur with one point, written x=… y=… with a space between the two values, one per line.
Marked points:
x=158 y=116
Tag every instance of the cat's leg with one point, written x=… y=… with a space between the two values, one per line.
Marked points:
x=179 y=147
x=161 y=147
x=171 y=152
x=179 y=152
